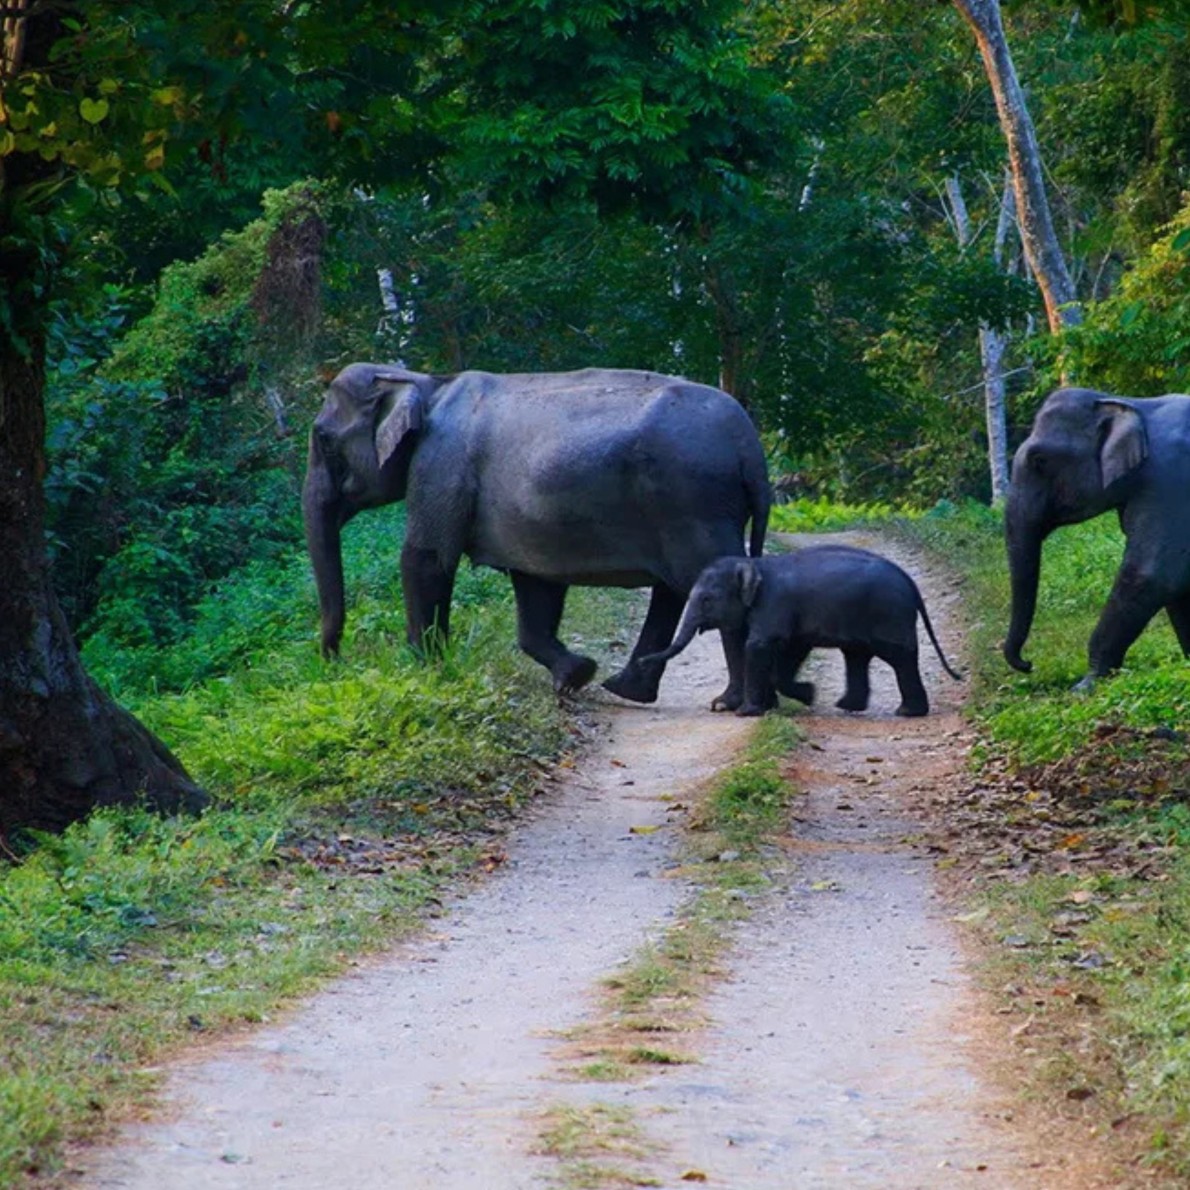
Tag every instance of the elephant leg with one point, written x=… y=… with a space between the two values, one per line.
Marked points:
x=734 y=641
x=785 y=669
x=759 y=692
x=1179 y=616
x=859 y=688
x=639 y=682
x=427 y=586
x=915 y=702
x=1133 y=602
x=539 y=604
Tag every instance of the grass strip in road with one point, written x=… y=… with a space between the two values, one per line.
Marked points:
x=656 y=999
x=595 y=1144
x=657 y=995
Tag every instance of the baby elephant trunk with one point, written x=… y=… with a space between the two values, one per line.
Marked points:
x=687 y=630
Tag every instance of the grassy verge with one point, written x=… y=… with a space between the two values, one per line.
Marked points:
x=654 y=1001
x=825 y=516
x=1075 y=834
x=345 y=795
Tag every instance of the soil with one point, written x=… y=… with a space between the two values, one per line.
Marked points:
x=846 y=1046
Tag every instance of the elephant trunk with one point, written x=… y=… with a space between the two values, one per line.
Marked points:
x=1024 y=539
x=322 y=511
x=687 y=630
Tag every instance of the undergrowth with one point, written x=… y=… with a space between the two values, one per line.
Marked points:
x=343 y=796
x=826 y=516
x=1089 y=919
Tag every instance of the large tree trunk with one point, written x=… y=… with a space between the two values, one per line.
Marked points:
x=65 y=747
x=1042 y=250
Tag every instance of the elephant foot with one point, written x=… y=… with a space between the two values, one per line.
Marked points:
x=729 y=700
x=573 y=674
x=1084 y=685
x=851 y=702
x=915 y=710
x=634 y=683
x=751 y=710
x=804 y=692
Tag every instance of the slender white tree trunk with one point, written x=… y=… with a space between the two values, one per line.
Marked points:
x=1040 y=243
x=992 y=343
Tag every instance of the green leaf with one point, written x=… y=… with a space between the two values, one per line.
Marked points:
x=1131 y=313
x=94 y=111
x=1181 y=242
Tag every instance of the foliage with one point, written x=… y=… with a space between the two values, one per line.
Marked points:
x=669 y=112
x=345 y=794
x=1137 y=341
x=167 y=470
x=824 y=516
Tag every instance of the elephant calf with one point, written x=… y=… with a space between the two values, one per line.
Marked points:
x=830 y=596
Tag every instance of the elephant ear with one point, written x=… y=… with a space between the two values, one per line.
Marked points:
x=401 y=412
x=748 y=575
x=1124 y=444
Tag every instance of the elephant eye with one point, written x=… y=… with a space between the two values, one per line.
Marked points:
x=1038 y=461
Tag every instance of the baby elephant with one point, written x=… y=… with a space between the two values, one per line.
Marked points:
x=829 y=596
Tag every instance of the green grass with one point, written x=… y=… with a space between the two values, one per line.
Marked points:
x=826 y=516
x=344 y=796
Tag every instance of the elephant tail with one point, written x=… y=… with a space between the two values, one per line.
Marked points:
x=925 y=619
x=760 y=499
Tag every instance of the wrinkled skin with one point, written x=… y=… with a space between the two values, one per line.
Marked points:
x=828 y=596
x=1089 y=452
x=592 y=478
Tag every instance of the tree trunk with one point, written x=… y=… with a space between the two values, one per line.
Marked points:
x=1042 y=250
x=65 y=747
x=733 y=365
x=992 y=344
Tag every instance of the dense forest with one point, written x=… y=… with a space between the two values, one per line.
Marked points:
x=833 y=211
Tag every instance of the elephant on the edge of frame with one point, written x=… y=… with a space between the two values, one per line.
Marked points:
x=1089 y=452
x=589 y=478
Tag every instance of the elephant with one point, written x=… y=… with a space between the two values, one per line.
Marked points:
x=831 y=596
x=1088 y=452
x=599 y=477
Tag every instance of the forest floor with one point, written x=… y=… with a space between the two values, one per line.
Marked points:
x=845 y=1042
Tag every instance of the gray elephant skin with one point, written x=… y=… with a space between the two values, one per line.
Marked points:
x=591 y=478
x=1089 y=452
x=822 y=596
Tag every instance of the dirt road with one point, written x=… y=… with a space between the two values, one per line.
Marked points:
x=837 y=1055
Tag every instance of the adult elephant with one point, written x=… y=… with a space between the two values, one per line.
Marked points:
x=1089 y=452
x=592 y=478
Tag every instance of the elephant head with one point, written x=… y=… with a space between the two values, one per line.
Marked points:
x=1078 y=461
x=361 y=444
x=720 y=598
